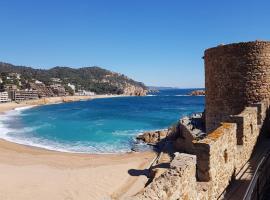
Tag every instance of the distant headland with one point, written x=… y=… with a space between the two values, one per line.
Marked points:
x=18 y=83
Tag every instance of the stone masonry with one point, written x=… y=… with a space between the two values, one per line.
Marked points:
x=174 y=184
x=237 y=107
x=236 y=75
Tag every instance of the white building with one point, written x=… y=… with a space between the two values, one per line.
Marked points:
x=84 y=93
x=4 y=97
x=23 y=95
x=56 y=80
x=15 y=75
x=71 y=86
x=38 y=82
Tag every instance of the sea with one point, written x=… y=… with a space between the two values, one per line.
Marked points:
x=108 y=125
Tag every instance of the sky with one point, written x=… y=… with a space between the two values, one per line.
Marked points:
x=160 y=43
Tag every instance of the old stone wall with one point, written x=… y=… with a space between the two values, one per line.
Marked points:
x=236 y=75
x=189 y=129
x=216 y=156
x=246 y=135
x=237 y=112
x=178 y=182
x=219 y=157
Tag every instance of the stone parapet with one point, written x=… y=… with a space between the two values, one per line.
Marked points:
x=178 y=182
x=236 y=113
x=219 y=157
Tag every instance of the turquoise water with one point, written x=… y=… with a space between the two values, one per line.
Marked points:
x=99 y=125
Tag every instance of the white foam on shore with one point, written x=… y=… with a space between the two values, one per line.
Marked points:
x=54 y=103
x=176 y=95
x=127 y=132
x=23 y=108
x=10 y=116
x=16 y=135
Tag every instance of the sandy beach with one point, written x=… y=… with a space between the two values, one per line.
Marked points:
x=50 y=100
x=34 y=173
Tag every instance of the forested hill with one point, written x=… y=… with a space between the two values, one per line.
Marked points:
x=94 y=79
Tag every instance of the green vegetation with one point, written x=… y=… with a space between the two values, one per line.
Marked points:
x=69 y=90
x=93 y=79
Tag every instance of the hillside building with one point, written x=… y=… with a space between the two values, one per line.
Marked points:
x=23 y=95
x=58 y=89
x=4 y=97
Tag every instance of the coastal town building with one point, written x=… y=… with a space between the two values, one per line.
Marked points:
x=84 y=93
x=14 y=75
x=4 y=97
x=42 y=89
x=58 y=89
x=56 y=80
x=71 y=86
x=38 y=82
x=10 y=87
x=23 y=95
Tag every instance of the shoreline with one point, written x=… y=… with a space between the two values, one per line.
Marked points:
x=10 y=106
x=28 y=104
x=35 y=172
x=51 y=100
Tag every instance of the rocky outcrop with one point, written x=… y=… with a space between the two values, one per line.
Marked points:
x=197 y=93
x=194 y=124
x=132 y=90
x=153 y=137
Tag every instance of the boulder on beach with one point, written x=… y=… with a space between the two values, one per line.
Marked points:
x=153 y=137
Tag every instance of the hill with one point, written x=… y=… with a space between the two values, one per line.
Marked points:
x=95 y=79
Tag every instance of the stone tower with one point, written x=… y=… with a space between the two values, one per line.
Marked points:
x=236 y=75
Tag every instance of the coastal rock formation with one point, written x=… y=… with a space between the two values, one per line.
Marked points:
x=194 y=124
x=197 y=93
x=153 y=137
x=132 y=90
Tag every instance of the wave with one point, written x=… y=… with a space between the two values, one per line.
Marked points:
x=175 y=95
x=100 y=148
x=54 y=103
x=172 y=95
x=21 y=136
x=128 y=132
x=17 y=135
x=23 y=108
x=16 y=129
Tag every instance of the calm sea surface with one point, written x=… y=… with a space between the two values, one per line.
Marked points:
x=99 y=125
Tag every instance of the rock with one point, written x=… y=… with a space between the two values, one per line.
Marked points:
x=153 y=137
x=132 y=90
x=197 y=93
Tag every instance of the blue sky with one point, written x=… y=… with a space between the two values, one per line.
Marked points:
x=160 y=43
